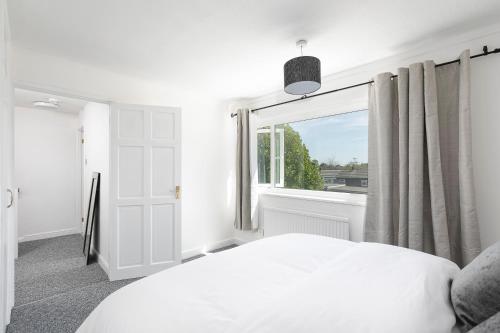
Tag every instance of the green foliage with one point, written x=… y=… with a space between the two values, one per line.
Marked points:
x=351 y=166
x=300 y=171
x=264 y=157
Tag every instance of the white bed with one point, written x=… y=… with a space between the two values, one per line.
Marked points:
x=290 y=283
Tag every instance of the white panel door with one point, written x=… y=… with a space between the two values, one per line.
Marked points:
x=8 y=211
x=8 y=226
x=145 y=185
x=10 y=202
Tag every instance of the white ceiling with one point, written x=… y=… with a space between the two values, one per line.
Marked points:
x=234 y=48
x=25 y=98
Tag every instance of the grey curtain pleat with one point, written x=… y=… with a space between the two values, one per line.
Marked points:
x=243 y=180
x=439 y=226
x=470 y=241
x=403 y=144
x=416 y=160
x=380 y=190
x=421 y=189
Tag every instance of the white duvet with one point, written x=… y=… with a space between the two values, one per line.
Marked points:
x=291 y=283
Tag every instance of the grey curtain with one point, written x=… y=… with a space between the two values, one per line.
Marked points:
x=243 y=180
x=421 y=189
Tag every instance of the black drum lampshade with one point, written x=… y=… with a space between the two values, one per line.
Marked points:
x=302 y=75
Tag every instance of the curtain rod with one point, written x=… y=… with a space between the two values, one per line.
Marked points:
x=485 y=53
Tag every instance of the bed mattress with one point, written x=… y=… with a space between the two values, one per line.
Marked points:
x=289 y=283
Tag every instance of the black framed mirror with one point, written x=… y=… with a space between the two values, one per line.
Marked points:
x=92 y=215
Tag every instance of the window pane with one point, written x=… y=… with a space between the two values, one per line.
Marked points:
x=325 y=154
x=264 y=155
x=278 y=156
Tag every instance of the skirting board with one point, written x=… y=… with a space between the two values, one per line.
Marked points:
x=49 y=234
x=238 y=241
x=209 y=247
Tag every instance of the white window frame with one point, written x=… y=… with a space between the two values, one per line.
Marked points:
x=264 y=130
x=280 y=183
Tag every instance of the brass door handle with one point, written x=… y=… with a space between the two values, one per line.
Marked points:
x=177 y=192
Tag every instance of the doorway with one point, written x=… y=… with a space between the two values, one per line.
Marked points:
x=60 y=142
x=51 y=164
x=48 y=165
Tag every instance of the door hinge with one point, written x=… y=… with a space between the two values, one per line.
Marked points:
x=83 y=141
x=177 y=192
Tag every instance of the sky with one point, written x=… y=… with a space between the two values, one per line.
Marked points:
x=341 y=137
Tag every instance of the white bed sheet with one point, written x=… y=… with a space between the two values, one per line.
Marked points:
x=290 y=283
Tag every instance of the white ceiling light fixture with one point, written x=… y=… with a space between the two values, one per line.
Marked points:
x=51 y=103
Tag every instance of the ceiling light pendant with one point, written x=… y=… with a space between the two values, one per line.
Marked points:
x=302 y=74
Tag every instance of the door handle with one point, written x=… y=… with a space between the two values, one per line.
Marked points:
x=11 y=202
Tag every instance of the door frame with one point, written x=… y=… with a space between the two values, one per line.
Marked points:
x=112 y=274
x=81 y=179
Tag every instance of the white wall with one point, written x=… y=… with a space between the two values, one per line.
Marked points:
x=206 y=211
x=46 y=171
x=485 y=117
x=94 y=120
x=485 y=138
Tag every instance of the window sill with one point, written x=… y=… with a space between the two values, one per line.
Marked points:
x=351 y=199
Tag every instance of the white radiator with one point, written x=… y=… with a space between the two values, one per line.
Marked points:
x=277 y=221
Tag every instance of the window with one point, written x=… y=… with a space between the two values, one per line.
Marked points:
x=264 y=155
x=322 y=154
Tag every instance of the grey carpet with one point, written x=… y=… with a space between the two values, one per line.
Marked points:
x=62 y=313
x=55 y=290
